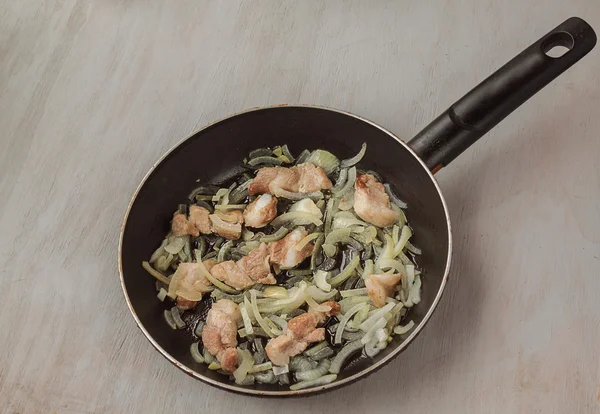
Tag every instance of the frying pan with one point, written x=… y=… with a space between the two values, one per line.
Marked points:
x=214 y=153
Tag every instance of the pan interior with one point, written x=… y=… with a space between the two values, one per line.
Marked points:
x=214 y=154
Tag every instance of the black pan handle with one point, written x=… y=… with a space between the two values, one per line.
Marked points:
x=492 y=100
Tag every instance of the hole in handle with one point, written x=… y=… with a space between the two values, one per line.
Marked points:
x=557 y=44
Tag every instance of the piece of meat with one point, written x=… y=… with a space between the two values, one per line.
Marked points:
x=248 y=271
x=272 y=178
x=303 y=178
x=219 y=335
x=188 y=281
x=335 y=307
x=261 y=211
x=302 y=326
x=281 y=348
x=230 y=273
x=283 y=252
x=229 y=360
x=316 y=335
x=199 y=217
x=180 y=226
x=312 y=178
x=301 y=331
x=371 y=202
x=184 y=304
x=256 y=265
x=227 y=224
x=380 y=287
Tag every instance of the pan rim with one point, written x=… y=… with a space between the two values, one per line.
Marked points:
x=308 y=391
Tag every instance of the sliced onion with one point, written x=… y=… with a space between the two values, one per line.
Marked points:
x=344 y=320
x=258 y=317
x=223 y=250
x=302 y=157
x=160 y=251
x=295 y=299
x=300 y=272
x=314 y=306
x=240 y=192
x=162 y=294
x=203 y=190
x=341 y=181
x=353 y=292
x=401 y=330
x=324 y=159
x=416 y=290
x=395 y=265
x=410 y=275
x=246 y=318
x=378 y=314
x=220 y=194
x=373 y=347
x=330 y=250
x=260 y=152
x=320 y=296
x=396 y=234
x=356 y=159
x=338 y=236
x=301 y=218
x=330 y=211
x=199 y=328
x=315 y=373
x=381 y=335
x=370 y=332
x=279 y=321
x=196 y=353
x=346 y=352
x=175 y=245
x=230 y=207
x=347 y=201
x=348 y=303
x=307 y=206
x=411 y=248
x=264 y=160
x=349 y=184
x=346 y=273
x=315 y=349
x=246 y=362
x=302 y=243
x=369 y=268
x=225 y=199
x=393 y=197
x=278 y=235
x=320 y=280
x=215 y=281
x=325 y=379
x=177 y=317
x=169 y=319
x=360 y=316
x=261 y=367
x=388 y=248
x=159 y=276
x=285 y=151
x=214 y=366
x=275 y=292
x=278 y=370
x=404 y=236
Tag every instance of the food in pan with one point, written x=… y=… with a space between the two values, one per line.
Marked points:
x=290 y=271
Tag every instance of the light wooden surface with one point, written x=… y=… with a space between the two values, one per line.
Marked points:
x=93 y=92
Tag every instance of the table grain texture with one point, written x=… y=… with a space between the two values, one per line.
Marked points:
x=93 y=92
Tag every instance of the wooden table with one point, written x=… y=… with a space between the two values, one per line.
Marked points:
x=93 y=92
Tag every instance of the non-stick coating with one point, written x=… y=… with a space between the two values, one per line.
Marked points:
x=215 y=153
